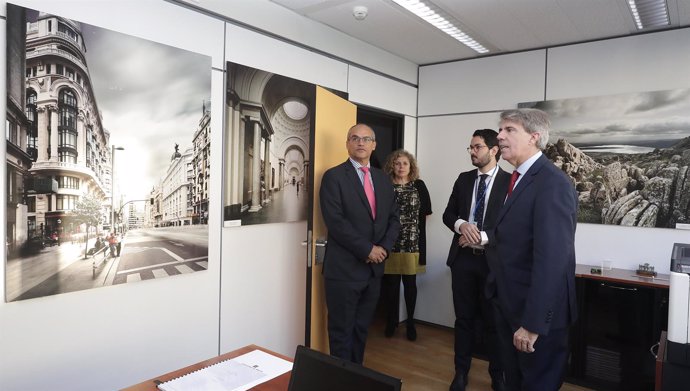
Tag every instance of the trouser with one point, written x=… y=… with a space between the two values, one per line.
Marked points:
x=391 y=292
x=351 y=306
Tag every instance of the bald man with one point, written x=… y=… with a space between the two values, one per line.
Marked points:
x=359 y=209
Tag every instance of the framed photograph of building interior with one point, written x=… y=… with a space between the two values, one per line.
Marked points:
x=107 y=160
x=269 y=120
x=627 y=154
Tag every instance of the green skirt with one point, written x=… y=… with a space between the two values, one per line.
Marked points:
x=404 y=263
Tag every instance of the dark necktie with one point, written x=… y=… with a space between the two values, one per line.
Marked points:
x=479 y=203
x=513 y=179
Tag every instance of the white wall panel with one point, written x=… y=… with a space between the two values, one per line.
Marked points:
x=442 y=157
x=157 y=21
x=648 y=62
x=259 y=51
x=264 y=287
x=485 y=84
x=273 y=18
x=627 y=247
x=373 y=90
x=112 y=337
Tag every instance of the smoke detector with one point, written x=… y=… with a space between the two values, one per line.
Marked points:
x=360 y=12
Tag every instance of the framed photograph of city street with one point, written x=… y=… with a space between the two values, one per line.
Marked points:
x=269 y=120
x=107 y=157
x=628 y=156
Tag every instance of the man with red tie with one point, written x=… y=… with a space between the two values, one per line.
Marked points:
x=359 y=209
x=531 y=255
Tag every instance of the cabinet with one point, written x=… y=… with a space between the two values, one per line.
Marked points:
x=621 y=317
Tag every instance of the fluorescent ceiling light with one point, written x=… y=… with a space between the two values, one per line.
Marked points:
x=649 y=13
x=433 y=15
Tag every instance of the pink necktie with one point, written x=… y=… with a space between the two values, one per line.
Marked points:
x=513 y=179
x=369 y=191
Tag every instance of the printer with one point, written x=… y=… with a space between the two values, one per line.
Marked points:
x=678 y=335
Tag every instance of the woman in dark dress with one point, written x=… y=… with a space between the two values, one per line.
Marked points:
x=408 y=257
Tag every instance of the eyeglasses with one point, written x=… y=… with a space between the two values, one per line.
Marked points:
x=475 y=148
x=365 y=139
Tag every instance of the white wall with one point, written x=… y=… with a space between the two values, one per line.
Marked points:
x=642 y=63
x=108 y=338
x=254 y=289
x=275 y=19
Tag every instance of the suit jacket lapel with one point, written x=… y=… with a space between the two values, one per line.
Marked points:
x=469 y=189
x=379 y=182
x=357 y=184
x=496 y=198
x=527 y=179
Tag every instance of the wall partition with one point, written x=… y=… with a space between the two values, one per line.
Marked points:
x=458 y=97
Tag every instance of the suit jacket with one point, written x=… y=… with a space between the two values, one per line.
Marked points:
x=531 y=251
x=460 y=203
x=352 y=232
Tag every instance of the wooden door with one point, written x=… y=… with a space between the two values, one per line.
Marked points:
x=333 y=117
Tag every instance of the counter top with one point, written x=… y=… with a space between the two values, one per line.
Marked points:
x=624 y=276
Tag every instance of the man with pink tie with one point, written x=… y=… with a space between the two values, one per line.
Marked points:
x=359 y=209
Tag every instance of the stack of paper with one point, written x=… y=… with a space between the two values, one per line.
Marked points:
x=238 y=374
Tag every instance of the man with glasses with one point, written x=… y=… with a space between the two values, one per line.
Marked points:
x=472 y=208
x=359 y=209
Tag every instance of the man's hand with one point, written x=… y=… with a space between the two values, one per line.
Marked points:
x=471 y=233
x=377 y=255
x=524 y=340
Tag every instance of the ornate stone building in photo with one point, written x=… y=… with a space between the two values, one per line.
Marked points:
x=70 y=147
x=268 y=120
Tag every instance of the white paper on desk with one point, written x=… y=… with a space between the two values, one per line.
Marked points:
x=225 y=375
x=238 y=374
x=270 y=365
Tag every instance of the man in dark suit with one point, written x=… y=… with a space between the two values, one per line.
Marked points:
x=359 y=209
x=531 y=256
x=472 y=208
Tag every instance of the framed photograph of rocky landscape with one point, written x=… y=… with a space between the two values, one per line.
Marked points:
x=628 y=156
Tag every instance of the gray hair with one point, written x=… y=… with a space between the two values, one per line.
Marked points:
x=533 y=120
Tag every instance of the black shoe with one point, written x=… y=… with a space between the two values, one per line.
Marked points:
x=459 y=383
x=498 y=384
x=411 y=332
x=390 y=329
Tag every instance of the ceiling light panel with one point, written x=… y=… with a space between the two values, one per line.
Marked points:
x=438 y=18
x=649 y=13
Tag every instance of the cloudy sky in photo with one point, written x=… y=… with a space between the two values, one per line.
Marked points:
x=150 y=96
x=620 y=119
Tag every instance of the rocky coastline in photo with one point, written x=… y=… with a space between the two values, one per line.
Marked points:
x=643 y=190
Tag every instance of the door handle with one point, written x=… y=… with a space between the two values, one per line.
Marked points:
x=320 y=250
x=319 y=243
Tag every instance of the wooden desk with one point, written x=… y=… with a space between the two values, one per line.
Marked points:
x=623 y=276
x=279 y=383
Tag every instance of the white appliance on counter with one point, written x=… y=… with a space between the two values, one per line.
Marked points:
x=678 y=335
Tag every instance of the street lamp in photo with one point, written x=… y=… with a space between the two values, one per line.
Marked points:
x=112 y=185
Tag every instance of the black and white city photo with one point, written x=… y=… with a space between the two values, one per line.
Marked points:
x=108 y=163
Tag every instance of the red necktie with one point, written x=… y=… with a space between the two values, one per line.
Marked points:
x=513 y=179
x=369 y=191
